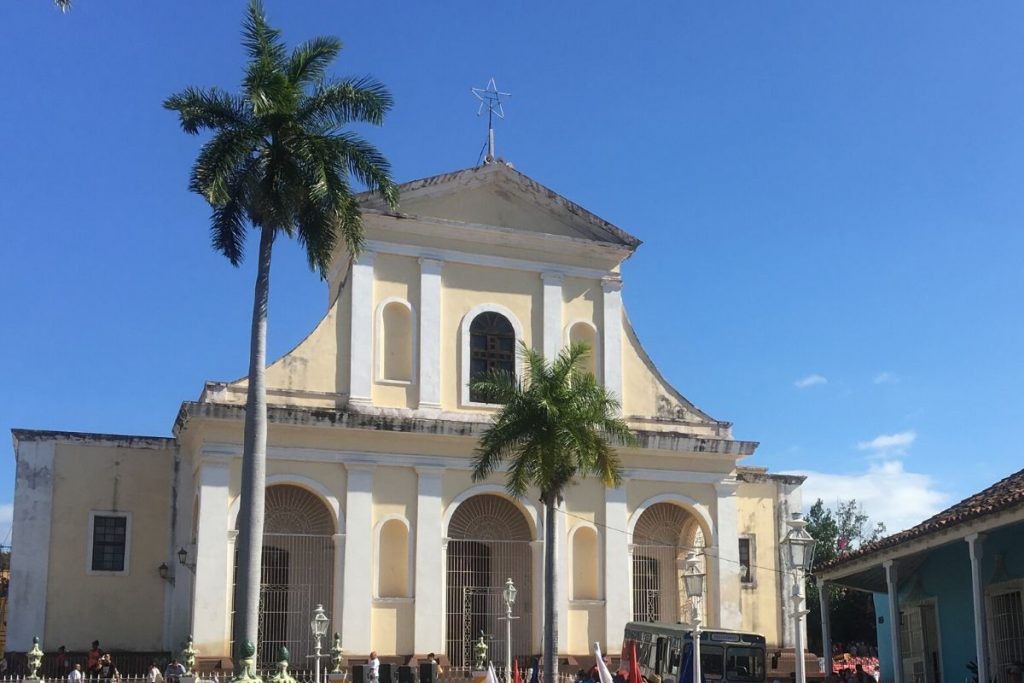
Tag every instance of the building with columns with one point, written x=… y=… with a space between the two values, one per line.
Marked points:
x=371 y=507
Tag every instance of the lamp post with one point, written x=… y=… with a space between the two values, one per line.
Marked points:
x=693 y=581
x=319 y=626
x=799 y=555
x=509 y=594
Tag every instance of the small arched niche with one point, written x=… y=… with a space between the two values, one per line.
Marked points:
x=393 y=560
x=585 y=564
x=395 y=359
x=583 y=331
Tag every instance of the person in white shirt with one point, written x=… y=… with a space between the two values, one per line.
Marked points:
x=154 y=675
x=374 y=665
x=76 y=674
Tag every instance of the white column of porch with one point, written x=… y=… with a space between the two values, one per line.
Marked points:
x=211 y=599
x=892 y=581
x=726 y=590
x=975 y=548
x=430 y=561
x=617 y=558
x=358 y=586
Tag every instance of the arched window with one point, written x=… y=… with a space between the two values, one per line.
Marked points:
x=492 y=346
x=395 y=342
x=586 y=333
x=393 y=560
x=585 y=564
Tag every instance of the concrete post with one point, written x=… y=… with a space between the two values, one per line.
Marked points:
x=892 y=581
x=975 y=544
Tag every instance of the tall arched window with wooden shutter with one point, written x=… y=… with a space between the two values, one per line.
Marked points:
x=492 y=346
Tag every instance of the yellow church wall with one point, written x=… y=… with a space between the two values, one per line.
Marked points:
x=392 y=631
x=759 y=602
x=395 y=277
x=586 y=626
x=465 y=287
x=581 y=300
x=135 y=481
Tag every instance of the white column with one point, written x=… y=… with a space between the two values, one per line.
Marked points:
x=727 y=543
x=617 y=585
x=430 y=561
x=892 y=581
x=358 y=592
x=211 y=609
x=611 y=342
x=537 y=549
x=561 y=592
x=30 y=537
x=338 y=599
x=361 y=338
x=975 y=549
x=825 y=599
x=552 y=332
x=430 y=336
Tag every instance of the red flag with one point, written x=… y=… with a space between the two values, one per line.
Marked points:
x=634 y=665
x=516 y=678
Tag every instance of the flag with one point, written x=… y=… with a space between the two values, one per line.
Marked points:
x=535 y=672
x=686 y=675
x=634 y=665
x=491 y=676
x=516 y=678
x=602 y=668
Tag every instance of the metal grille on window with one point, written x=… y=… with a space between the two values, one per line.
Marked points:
x=488 y=542
x=663 y=535
x=1007 y=618
x=109 y=536
x=296 y=573
x=492 y=347
x=746 y=571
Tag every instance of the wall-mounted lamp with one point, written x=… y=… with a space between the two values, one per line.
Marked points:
x=165 y=573
x=183 y=560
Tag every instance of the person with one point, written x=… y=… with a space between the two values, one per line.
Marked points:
x=174 y=671
x=374 y=665
x=108 y=672
x=92 y=660
x=432 y=658
x=76 y=674
x=859 y=676
x=154 y=675
x=62 y=661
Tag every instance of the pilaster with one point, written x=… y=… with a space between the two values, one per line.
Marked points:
x=975 y=547
x=617 y=559
x=430 y=561
x=430 y=336
x=30 y=534
x=727 y=561
x=537 y=550
x=552 y=331
x=611 y=342
x=211 y=627
x=338 y=598
x=358 y=590
x=561 y=586
x=361 y=337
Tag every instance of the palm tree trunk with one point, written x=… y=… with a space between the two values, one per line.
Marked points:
x=254 y=462
x=550 y=582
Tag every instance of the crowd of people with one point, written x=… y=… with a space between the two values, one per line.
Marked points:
x=855 y=662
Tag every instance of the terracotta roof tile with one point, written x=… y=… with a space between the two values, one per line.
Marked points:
x=999 y=497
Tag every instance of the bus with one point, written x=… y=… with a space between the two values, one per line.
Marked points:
x=725 y=656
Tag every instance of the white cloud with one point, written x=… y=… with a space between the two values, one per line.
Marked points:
x=885 y=378
x=889 y=444
x=887 y=492
x=6 y=515
x=810 y=381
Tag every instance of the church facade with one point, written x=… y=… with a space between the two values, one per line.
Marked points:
x=371 y=507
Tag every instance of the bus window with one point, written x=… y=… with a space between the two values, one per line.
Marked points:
x=674 y=659
x=745 y=664
x=711 y=661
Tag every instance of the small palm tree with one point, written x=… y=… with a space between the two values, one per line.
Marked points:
x=279 y=162
x=556 y=424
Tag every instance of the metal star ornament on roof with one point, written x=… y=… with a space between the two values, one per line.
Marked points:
x=490 y=97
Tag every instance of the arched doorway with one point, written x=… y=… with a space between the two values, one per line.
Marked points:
x=296 y=572
x=661 y=539
x=488 y=542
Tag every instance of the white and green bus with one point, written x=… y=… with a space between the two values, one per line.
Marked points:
x=663 y=651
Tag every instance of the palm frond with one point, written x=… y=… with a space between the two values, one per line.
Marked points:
x=218 y=160
x=334 y=105
x=212 y=108
x=261 y=40
x=309 y=61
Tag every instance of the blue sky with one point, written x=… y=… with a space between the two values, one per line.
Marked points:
x=829 y=196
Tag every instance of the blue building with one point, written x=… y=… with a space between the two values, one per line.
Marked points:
x=948 y=593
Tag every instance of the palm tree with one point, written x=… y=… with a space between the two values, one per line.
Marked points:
x=279 y=161
x=556 y=424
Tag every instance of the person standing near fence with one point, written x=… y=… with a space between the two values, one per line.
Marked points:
x=76 y=674
x=374 y=665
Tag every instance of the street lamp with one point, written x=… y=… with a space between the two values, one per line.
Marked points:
x=509 y=594
x=693 y=581
x=319 y=626
x=799 y=555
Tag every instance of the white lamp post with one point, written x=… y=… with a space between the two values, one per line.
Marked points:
x=319 y=626
x=693 y=581
x=799 y=554
x=509 y=594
